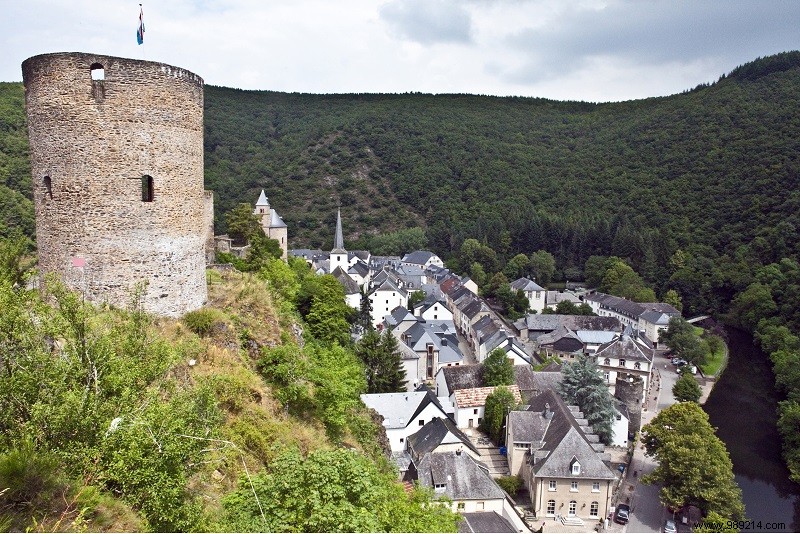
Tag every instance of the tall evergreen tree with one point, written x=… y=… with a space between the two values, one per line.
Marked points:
x=365 y=312
x=382 y=361
x=583 y=385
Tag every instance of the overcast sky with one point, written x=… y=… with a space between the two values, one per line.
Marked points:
x=590 y=50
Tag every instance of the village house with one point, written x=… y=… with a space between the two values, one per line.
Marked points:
x=535 y=293
x=404 y=413
x=625 y=354
x=562 y=464
x=646 y=318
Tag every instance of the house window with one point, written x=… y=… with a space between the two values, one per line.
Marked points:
x=479 y=506
x=595 y=487
x=551 y=508
x=429 y=364
x=552 y=485
x=520 y=445
x=573 y=507
x=575 y=468
x=48 y=187
x=622 y=362
x=607 y=376
x=402 y=439
x=422 y=422
x=594 y=509
x=460 y=506
x=573 y=486
x=147 y=188
x=439 y=487
x=475 y=411
x=607 y=361
x=637 y=365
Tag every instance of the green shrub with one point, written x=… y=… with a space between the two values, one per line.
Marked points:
x=201 y=321
x=510 y=484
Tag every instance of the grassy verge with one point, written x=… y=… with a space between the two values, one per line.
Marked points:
x=714 y=363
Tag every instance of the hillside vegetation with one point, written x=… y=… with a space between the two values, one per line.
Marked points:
x=235 y=418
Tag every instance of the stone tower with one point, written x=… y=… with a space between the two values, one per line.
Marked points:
x=272 y=223
x=629 y=389
x=117 y=161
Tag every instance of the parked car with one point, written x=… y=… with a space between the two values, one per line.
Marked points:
x=622 y=514
x=669 y=526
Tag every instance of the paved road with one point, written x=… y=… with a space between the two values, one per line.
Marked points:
x=647 y=513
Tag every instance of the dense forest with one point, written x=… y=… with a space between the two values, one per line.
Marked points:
x=697 y=192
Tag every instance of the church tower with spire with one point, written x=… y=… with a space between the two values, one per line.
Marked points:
x=272 y=224
x=338 y=253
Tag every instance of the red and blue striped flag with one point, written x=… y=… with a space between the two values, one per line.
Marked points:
x=140 y=31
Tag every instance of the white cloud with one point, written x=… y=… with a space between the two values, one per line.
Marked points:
x=593 y=50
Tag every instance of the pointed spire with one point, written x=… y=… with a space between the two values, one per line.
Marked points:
x=338 y=240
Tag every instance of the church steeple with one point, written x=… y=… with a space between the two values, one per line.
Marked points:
x=338 y=254
x=338 y=239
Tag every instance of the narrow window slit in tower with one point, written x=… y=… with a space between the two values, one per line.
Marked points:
x=147 y=188
x=98 y=72
x=98 y=82
x=48 y=187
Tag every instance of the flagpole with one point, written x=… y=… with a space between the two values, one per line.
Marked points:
x=140 y=32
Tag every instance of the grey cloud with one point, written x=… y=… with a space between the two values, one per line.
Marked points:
x=428 y=21
x=655 y=33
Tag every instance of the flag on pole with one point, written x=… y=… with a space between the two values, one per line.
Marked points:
x=140 y=31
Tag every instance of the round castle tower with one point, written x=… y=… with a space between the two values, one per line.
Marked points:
x=117 y=161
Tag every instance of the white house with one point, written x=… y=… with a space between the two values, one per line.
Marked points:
x=470 y=404
x=625 y=354
x=404 y=413
x=535 y=293
x=385 y=298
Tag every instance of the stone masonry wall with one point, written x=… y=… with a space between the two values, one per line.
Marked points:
x=91 y=143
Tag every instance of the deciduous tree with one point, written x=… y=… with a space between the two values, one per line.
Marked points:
x=498 y=370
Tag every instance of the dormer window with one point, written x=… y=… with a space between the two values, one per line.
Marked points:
x=607 y=361
x=575 y=467
x=622 y=362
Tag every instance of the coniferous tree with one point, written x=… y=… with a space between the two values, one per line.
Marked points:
x=583 y=385
x=382 y=361
x=365 y=312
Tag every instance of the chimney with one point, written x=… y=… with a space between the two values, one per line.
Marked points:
x=458 y=452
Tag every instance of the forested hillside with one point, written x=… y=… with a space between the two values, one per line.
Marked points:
x=715 y=166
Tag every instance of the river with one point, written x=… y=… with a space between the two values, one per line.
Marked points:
x=743 y=408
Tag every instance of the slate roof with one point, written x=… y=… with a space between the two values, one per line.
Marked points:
x=434 y=433
x=484 y=522
x=262 y=199
x=549 y=322
x=624 y=347
x=350 y=285
x=463 y=477
x=596 y=336
x=360 y=268
x=338 y=238
x=474 y=308
x=554 y=297
x=656 y=317
x=276 y=221
x=440 y=333
x=463 y=377
x=630 y=308
x=474 y=397
x=526 y=284
x=419 y=257
x=388 y=285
